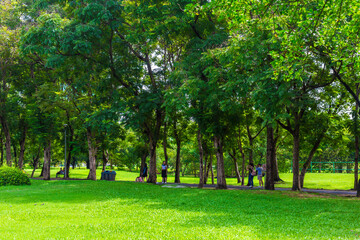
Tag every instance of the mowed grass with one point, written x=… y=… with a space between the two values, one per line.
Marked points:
x=341 y=181
x=125 y=210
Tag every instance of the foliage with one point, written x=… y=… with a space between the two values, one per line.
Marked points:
x=13 y=176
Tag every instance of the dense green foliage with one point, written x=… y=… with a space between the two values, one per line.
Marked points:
x=13 y=176
x=89 y=210
x=206 y=86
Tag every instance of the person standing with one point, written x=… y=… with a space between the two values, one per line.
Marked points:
x=251 y=174
x=259 y=171
x=164 y=172
x=144 y=172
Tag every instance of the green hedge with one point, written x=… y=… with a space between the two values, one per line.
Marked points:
x=13 y=176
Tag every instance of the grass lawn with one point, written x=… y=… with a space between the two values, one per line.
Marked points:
x=125 y=210
x=341 y=181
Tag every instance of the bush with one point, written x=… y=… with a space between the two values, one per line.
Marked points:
x=13 y=176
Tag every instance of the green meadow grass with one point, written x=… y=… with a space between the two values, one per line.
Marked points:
x=341 y=181
x=125 y=210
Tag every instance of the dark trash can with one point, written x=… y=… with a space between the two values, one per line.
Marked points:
x=112 y=176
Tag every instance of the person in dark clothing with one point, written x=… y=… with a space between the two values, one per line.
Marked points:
x=164 y=172
x=144 y=173
x=251 y=174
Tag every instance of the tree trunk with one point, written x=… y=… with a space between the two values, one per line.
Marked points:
x=152 y=163
x=296 y=157
x=201 y=160
x=212 y=170
x=356 y=167
x=35 y=162
x=1 y=149
x=309 y=159
x=47 y=160
x=205 y=166
x=243 y=159
x=165 y=144
x=92 y=154
x=22 y=148
x=71 y=148
x=178 y=148
x=15 y=155
x=270 y=166
x=221 y=181
x=6 y=131
x=236 y=167
x=105 y=160
x=153 y=137
x=143 y=161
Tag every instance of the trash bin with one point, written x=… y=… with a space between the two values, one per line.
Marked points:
x=112 y=175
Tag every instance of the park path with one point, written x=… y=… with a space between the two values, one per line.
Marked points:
x=322 y=191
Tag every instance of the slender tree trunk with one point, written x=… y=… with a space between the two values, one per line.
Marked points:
x=143 y=161
x=296 y=157
x=152 y=163
x=35 y=162
x=221 y=181
x=165 y=144
x=205 y=165
x=105 y=160
x=153 y=139
x=22 y=147
x=270 y=166
x=178 y=148
x=1 y=149
x=92 y=154
x=15 y=155
x=243 y=158
x=71 y=148
x=356 y=167
x=236 y=167
x=309 y=159
x=47 y=160
x=201 y=158
x=6 y=131
x=212 y=170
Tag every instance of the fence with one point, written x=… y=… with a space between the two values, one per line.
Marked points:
x=328 y=166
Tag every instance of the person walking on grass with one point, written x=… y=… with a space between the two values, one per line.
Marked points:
x=164 y=172
x=259 y=171
x=252 y=173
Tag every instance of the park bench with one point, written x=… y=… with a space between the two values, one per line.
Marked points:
x=60 y=173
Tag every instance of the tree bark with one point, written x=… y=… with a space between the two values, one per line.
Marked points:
x=236 y=167
x=35 y=162
x=309 y=159
x=6 y=131
x=22 y=147
x=251 y=144
x=356 y=167
x=92 y=154
x=270 y=166
x=1 y=149
x=178 y=148
x=152 y=163
x=212 y=170
x=105 y=160
x=153 y=140
x=221 y=181
x=296 y=156
x=243 y=159
x=47 y=160
x=201 y=160
x=165 y=144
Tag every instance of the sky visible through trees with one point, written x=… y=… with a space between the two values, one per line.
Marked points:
x=206 y=86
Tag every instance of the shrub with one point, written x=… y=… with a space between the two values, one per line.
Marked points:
x=13 y=176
